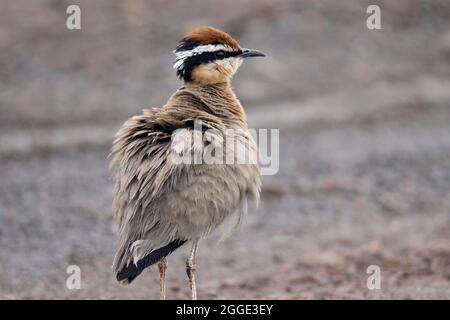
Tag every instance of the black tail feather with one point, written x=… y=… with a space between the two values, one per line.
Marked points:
x=130 y=272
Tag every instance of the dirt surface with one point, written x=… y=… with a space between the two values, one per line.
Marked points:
x=347 y=196
x=364 y=123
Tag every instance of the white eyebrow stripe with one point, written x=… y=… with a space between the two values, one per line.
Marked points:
x=183 y=55
x=178 y=63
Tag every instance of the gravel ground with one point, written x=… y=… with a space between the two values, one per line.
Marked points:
x=364 y=118
x=348 y=195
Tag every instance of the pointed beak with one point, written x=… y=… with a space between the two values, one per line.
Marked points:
x=247 y=53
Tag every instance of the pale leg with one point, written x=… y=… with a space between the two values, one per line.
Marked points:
x=162 y=265
x=190 y=269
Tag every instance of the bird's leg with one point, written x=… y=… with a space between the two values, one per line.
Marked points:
x=190 y=269
x=162 y=266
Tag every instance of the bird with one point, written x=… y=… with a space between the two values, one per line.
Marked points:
x=161 y=203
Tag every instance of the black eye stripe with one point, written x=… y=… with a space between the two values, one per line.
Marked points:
x=216 y=55
x=205 y=57
x=231 y=54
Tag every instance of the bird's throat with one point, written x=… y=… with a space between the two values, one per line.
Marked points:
x=218 y=99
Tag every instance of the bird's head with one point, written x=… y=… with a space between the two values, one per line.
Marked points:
x=207 y=55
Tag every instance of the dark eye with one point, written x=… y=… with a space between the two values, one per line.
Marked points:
x=220 y=55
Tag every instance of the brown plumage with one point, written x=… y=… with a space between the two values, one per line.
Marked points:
x=160 y=204
x=210 y=35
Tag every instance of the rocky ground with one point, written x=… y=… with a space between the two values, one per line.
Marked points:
x=364 y=173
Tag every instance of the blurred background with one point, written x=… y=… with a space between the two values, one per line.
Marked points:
x=364 y=119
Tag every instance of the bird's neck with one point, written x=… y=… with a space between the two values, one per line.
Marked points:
x=219 y=100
